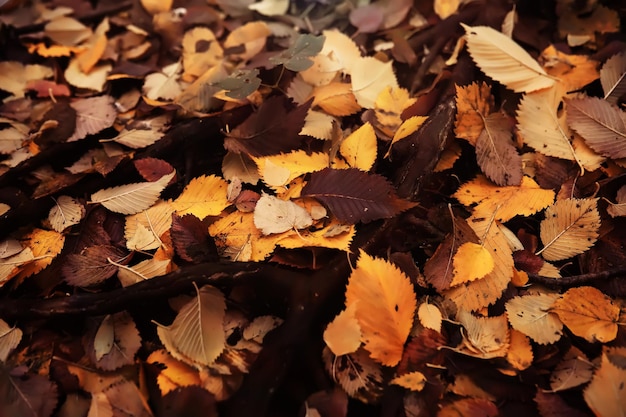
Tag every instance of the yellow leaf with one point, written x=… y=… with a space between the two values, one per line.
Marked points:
x=176 y=373
x=95 y=80
x=157 y=6
x=369 y=77
x=240 y=240
x=203 y=196
x=588 y=313
x=471 y=261
x=251 y=37
x=445 y=8
x=335 y=99
x=286 y=167
x=505 y=61
x=520 y=353
x=408 y=127
x=478 y=294
x=197 y=60
x=504 y=202
x=343 y=334
x=144 y=229
x=573 y=71
x=359 y=149
x=606 y=393
x=45 y=246
x=386 y=306
x=334 y=235
x=570 y=228
x=530 y=314
x=318 y=124
x=430 y=316
x=95 y=48
x=388 y=108
x=146 y=269
x=473 y=103
x=414 y=381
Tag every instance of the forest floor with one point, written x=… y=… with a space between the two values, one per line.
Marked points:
x=312 y=208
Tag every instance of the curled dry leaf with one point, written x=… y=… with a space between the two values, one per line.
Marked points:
x=619 y=207
x=485 y=337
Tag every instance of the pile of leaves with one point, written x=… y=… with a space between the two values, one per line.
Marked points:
x=327 y=208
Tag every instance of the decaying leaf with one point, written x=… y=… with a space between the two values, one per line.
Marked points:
x=414 y=381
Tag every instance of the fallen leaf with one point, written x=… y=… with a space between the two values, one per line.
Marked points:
x=92 y=265
x=201 y=51
x=570 y=227
x=297 y=57
x=92 y=116
x=203 y=196
x=430 y=316
x=572 y=371
x=369 y=78
x=496 y=153
x=414 y=381
x=473 y=102
x=65 y=213
x=343 y=334
x=359 y=149
x=504 y=60
x=385 y=307
x=9 y=339
x=531 y=315
x=613 y=77
x=273 y=215
x=270 y=7
x=131 y=198
x=471 y=261
x=196 y=336
x=605 y=393
x=484 y=337
x=588 y=313
x=115 y=343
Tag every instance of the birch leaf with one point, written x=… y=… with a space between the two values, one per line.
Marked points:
x=196 y=336
x=602 y=125
x=385 y=307
x=343 y=334
x=369 y=78
x=131 y=198
x=471 y=261
x=65 y=213
x=116 y=342
x=542 y=127
x=606 y=393
x=570 y=228
x=502 y=59
x=613 y=77
x=530 y=314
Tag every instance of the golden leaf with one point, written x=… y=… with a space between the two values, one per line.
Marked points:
x=484 y=337
x=520 y=353
x=143 y=230
x=45 y=246
x=335 y=99
x=588 y=313
x=606 y=393
x=369 y=77
x=386 y=306
x=473 y=103
x=388 y=108
x=343 y=334
x=359 y=149
x=414 y=381
x=471 y=261
x=203 y=196
x=176 y=373
x=570 y=227
x=504 y=203
x=430 y=316
x=407 y=128
x=251 y=37
x=334 y=235
x=573 y=71
x=196 y=61
x=9 y=339
x=286 y=167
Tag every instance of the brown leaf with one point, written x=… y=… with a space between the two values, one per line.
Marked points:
x=355 y=196
x=114 y=342
x=270 y=130
x=91 y=266
x=191 y=239
x=495 y=153
x=602 y=125
x=26 y=394
x=92 y=115
x=151 y=169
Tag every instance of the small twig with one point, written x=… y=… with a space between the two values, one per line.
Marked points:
x=575 y=280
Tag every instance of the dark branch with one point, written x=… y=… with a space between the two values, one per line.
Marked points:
x=576 y=280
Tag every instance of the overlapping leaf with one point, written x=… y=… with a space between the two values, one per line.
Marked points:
x=613 y=77
x=353 y=195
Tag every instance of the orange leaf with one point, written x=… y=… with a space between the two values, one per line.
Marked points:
x=385 y=309
x=473 y=103
x=471 y=261
x=606 y=394
x=343 y=334
x=588 y=313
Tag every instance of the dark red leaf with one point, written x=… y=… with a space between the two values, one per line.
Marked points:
x=355 y=196
x=421 y=351
x=270 y=130
x=191 y=239
x=151 y=169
